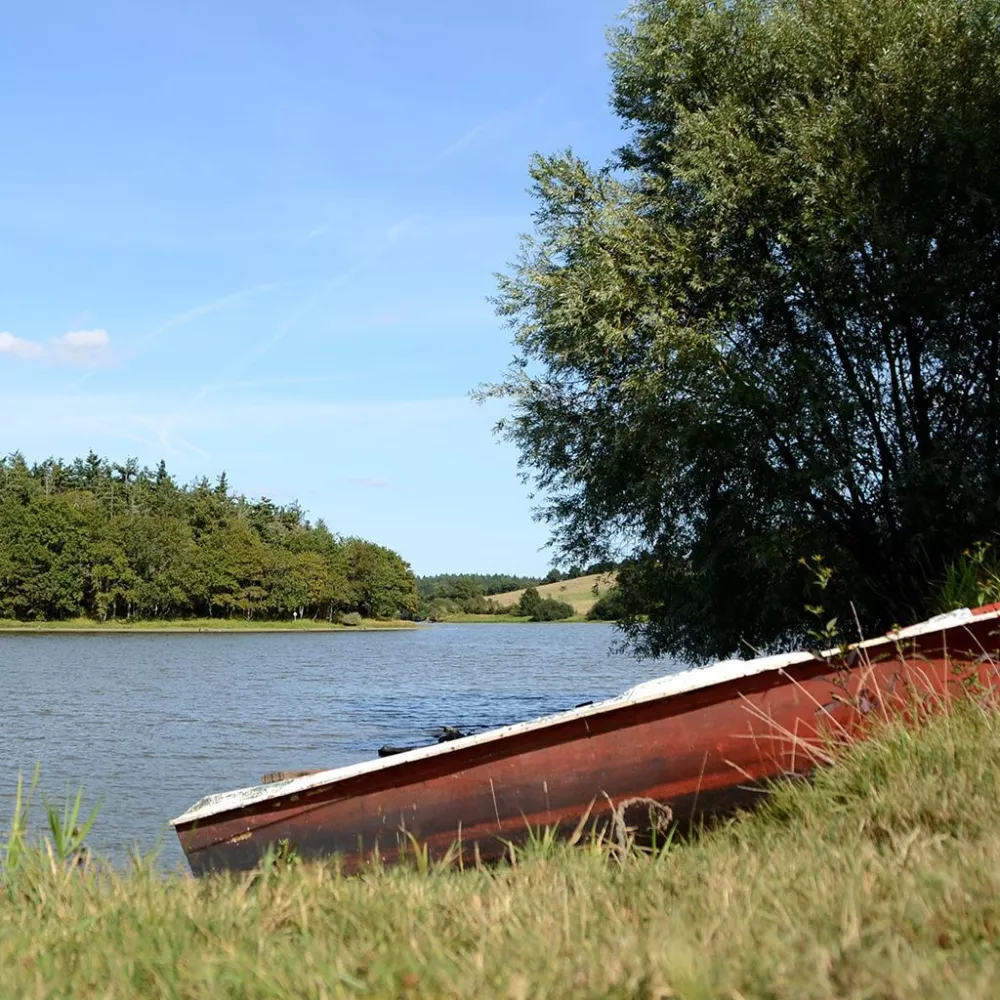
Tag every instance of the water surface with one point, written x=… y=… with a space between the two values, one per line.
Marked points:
x=148 y=723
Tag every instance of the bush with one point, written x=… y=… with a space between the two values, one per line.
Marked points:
x=351 y=618
x=551 y=610
x=482 y=606
x=609 y=608
x=542 y=609
x=529 y=604
x=971 y=580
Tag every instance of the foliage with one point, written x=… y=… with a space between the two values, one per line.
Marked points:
x=67 y=831
x=15 y=843
x=541 y=609
x=552 y=610
x=89 y=538
x=447 y=595
x=450 y=594
x=881 y=879
x=770 y=327
x=530 y=602
x=60 y=850
x=463 y=586
x=610 y=607
x=971 y=580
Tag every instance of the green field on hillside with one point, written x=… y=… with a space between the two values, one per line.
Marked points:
x=579 y=592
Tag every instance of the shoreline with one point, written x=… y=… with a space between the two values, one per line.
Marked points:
x=516 y=620
x=192 y=628
x=188 y=628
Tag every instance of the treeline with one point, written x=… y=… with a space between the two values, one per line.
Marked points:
x=449 y=594
x=102 y=540
x=463 y=586
x=469 y=593
x=556 y=575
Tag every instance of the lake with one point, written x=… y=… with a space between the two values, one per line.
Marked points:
x=148 y=723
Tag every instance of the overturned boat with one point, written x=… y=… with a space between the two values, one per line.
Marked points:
x=674 y=748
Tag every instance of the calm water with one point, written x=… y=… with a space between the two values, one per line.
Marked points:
x=149 y=723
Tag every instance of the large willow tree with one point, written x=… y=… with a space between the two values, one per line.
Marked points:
x=768 y=329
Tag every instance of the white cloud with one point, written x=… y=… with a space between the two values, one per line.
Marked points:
x=84 y=340
x=18 y=347
x=374 y=482
x=82 y=348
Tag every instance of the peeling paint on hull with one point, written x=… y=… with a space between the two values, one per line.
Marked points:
x=698 y=742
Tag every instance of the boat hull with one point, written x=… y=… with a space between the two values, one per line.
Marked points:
x=612 y=769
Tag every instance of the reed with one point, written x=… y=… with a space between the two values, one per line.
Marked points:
x=880 y=878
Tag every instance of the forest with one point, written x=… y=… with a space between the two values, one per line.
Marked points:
x=104 y=540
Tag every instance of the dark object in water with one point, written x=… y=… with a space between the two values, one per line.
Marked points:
x=698 y=742
x=387 y=750
x=444 y=734
x=584 y=704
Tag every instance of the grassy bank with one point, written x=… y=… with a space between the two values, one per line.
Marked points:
x=196 y=625
x=882 y=879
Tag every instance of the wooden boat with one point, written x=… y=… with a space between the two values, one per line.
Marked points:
x=679 y=746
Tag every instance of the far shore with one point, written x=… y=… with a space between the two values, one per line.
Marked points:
x=217 y=625
x=81 y=626
x=460 y=619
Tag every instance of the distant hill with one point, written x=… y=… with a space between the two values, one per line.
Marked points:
x=578 y=591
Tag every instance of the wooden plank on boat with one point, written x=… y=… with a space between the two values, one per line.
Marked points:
x=273 y=776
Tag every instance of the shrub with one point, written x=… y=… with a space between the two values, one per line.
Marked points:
x=530 y=603
x=971 y=580
x=610 y=607
x=551 y=610
x=351 y=618
x=542 y=609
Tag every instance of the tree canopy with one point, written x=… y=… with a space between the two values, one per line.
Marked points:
x=768 y=328
x=466 y=586
x=542 y=609
x=107 y=540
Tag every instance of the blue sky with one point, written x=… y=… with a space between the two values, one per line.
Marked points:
x=260 y=237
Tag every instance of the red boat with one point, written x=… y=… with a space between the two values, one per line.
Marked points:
x=677 y=747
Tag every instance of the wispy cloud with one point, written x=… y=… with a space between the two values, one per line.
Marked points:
x=392 y=235
x=316 y=233
x=466 y=139
x=155 y=419
x=190 y=315
x=489 y=129
x=80 y=348
x=370 y=482
x=205 y=309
